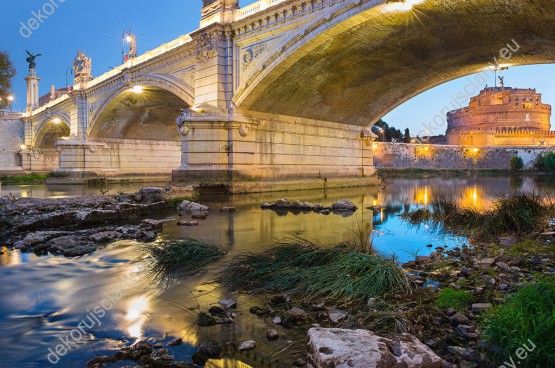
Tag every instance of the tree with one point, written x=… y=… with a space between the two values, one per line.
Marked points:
x=7 y=72
x=516 y=162
x=406 y=138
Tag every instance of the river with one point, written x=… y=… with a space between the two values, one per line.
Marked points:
x=43 y=299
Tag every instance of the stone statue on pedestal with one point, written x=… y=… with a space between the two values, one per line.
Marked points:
x=82 y=66
x=31 y=60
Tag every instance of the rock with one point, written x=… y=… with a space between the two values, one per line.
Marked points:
x=216 y=311
x=158 y=345
x=456 y=350
x=344 y=205
x=211 y=349
x=365 y=349
x=478 y=308
x=188 y=208
x=228 y=209
x=150 y=224
x=280 y=299
x=272 y=334
x=147 y=236
x=297 y=313
x=34 y=239
x=503 y=266
x=486 y=262
x=187 y=223
x=247 y=345
x=20 y=245
x=277 y=320
x=450 y=312
x=144 y=347
x=471 y=354
x=489 y=280
x=266 y=206
x=175 y=342
x=204 y=319
x=465 y=330
x=507 y=241
x=466 y=272
x=325 y=211
x=199 y=215
x=459 y=319
x=152 y=195
x=281 y=203
x=228 y=303
x=301 y=362
x=103 y=236
x=422 y=259
x=337 y=315
x=4 y=200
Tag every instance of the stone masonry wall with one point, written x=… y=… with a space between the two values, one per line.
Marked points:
x=419 y=156
x=11 y=138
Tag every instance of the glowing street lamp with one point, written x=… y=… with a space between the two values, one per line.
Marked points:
x=137 y=89
x=56 y=120
x=130 y=39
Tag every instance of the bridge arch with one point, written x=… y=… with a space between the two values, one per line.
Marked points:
x=51 y=129
x=144 y=107
x=355 y=65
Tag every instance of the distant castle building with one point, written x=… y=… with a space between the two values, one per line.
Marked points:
x=502 y=116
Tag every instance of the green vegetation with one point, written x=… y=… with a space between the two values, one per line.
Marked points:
x=516 y=163
x=451 y=298
x=25 y=179
x=545 y=162
x=312 y=271
x=530 y=247
x=518 y=212
x=167 y=261
x=526 y=319
x=7 y=72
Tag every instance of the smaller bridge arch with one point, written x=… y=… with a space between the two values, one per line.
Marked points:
x=50 y=129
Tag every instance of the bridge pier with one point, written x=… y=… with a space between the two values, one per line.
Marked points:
x=265 y=146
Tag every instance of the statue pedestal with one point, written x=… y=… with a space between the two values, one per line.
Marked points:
x=32 y=90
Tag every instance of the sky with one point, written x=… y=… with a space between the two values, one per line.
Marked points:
x=95 y=26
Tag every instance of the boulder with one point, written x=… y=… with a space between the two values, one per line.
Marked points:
x=459 y=319
x=151 y=195
x=5 y=200
x=103 y=236
x=188 y=208
x=272 y=334
x=228 y=303
x=296 y=313
x=341 y=348
x=204 y=319
x=344 y=205
x=507 y=241
x=247 y=345
x=337 y=315
x=478 y=308
x=211 y=349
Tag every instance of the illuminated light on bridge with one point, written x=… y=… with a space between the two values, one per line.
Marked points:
x=402 y=6
x=56 y=120
x=137 y=89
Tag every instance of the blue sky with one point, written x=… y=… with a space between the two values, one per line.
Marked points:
x=96 y=27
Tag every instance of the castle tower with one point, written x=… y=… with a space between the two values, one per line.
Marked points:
x=32 y=90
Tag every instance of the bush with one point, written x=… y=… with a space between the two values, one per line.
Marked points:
x=527 y=318
x=516 y=163
x=451 y=298
x=545 y=162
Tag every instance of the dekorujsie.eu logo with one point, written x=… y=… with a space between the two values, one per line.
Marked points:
x=38 y=17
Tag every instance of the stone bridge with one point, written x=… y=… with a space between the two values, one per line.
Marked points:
x=280 y=88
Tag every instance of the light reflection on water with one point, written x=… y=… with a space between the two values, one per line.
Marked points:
x=42 y=298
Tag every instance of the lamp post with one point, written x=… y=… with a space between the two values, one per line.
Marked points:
x=127 y=37
x=11 y=99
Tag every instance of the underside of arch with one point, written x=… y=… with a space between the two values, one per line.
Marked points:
x=148 y=115
x=362 y=67
x=50 y=133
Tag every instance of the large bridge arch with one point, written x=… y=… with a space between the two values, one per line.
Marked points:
x=356 y=65
x=49 y=130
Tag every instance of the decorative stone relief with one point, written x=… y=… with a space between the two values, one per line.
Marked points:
x=244 y=129
x=251 y=53
x=181 y=120
x=206 y=47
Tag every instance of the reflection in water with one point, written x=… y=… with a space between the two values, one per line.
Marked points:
x=44 y=297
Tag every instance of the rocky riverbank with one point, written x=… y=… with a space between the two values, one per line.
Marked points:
x=78 y=226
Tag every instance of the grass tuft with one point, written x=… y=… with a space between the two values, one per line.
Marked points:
x=451 y=298
x=312 y=271
x=527 y=318
x=169 y=260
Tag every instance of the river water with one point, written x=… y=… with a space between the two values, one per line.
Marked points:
x=44 y=299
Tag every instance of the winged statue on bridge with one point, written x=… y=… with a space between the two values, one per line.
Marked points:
x=31 y=59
